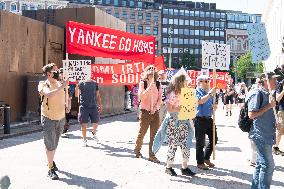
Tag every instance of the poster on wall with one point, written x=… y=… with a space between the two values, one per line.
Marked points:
x=77 y=70
x=258 y=42
x=215 y=55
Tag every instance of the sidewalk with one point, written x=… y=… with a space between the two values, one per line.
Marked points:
x=111 y=164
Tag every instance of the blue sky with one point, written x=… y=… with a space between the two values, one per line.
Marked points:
x=249 y=6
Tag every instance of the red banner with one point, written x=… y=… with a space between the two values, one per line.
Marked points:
x=221 y=80
x=97 y=41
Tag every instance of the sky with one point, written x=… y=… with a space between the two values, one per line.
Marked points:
x=248 y=6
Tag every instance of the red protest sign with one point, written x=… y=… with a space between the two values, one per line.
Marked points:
x=97 y=41
x=221 y=78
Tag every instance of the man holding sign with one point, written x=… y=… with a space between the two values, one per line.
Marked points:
x=203 y=122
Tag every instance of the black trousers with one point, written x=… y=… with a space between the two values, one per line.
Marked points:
x=204 y=126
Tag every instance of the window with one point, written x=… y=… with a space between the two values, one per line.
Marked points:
x=222 y=42
x=140 y=29
x=13 y=7
x=180 y=41
x=32 y=7
x=39 y=7
x=186 y=12
x=139 y=5
x=115 y=2
x=196 y=23
x=176 y=21
x=181 y=22
x=165 y=50
x=202 y=14
x=196 y=13
x=201 y=32
x=148 y=30
x=181 y=12
x=207 y=33
x=171 y=21
x=24 y=7
x=165 y=40
x=176 y=31
x=212 y=34
x=132 y=29
x=175 y=12
x=185 y=41
x=116 y=14
x=196 y=51
x=231 y=25
x=123 y=3
x=165 y=30
x=212 y=14
x=218 y=15
x=239 y=45
x=186 y=22
x=156 y=17
x=165 y=11
x=238 y=26
x=140 y=16
x=192 y=22
x=223 y=15
x=165 y=21
x=231 y=17
x=191 y=51
x=180 y=31
x=258 y=19
x=245 y=45
x=217 y=24
x=186 y=31
x=124 y=15
x=148 y=16
x=222 y=34
x=132 y=15
x=191 y=13
x=131 y=3
x=222 y=24
x=201 y=23
x=191 y=41
x=155 y=30
x=171 y=12
x=107 y=2
x=212 y=24
x=217 y=33
x=191 y=32
x=196 y=41
x=175 y=50
x=232 y=43
x=176 y=41
x=216 y=41
x=207 y=14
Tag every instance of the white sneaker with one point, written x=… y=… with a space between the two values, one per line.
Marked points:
x=95 y=137
x=85 y=143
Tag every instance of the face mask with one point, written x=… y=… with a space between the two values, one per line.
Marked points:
x=56 y=75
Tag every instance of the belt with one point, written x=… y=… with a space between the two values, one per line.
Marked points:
x=202 y=117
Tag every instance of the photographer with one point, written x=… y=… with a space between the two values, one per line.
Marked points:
x=52 y=113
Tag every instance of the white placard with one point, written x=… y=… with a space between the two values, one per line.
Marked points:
x=77 y=70
x=215 y=55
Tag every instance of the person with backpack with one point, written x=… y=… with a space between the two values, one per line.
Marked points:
x=263 y=130
x=150 y=95
x=52 y=113
x=164 y=86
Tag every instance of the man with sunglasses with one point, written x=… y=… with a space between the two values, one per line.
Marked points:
x=203 y=122
x=52 y=113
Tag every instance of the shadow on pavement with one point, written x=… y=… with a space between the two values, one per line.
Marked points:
x=85 y=182
x=235 y=149
x=115 y=151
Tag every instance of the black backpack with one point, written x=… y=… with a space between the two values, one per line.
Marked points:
x=157 y=84
x=244 y=122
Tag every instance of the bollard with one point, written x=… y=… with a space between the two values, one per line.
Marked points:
x=7 y=112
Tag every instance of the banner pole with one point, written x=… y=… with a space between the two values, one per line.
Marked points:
x=214 y=125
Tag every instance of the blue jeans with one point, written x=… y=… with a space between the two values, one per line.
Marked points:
x=264 y=168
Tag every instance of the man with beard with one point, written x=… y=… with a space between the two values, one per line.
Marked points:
x=203 y=122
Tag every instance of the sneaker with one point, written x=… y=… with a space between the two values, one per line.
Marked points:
x=202 y=166
x=95 y=137
x=276 y=151
x=52 y=174
x=187 y=172
x=85 y=143
x=54 y=166
x=171 y=171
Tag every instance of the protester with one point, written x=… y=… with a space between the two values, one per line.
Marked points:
x=164 y=85
x=52 y=113
x=135 y=100
x=90 y=107
x=150 y=95
x=262 y=131
x=242 y=95
x=203 y=122
x=229 y=99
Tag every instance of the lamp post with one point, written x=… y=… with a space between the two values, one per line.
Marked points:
x=236 y=74
x=170 y=37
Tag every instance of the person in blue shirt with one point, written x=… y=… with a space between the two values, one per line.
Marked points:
x=203 y=122
x=263 y=131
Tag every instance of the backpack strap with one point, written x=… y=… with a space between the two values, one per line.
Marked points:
x=145 y=84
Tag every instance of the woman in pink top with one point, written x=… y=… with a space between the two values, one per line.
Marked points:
x=150 y=95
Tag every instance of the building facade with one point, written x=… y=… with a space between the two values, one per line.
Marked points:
x=16 y=6
x=273 y=18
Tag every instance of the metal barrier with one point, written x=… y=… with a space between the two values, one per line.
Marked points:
x=5 y=113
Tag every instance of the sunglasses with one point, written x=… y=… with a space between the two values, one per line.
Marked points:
x=205 y=81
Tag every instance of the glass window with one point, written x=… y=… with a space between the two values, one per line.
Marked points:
x=148 y=16
x=14 y=7
x=132 y=15
x=165 y=11
x=191 y=51
x=218 y=15
x=165 y=50
x=212 y=14
x=196 y=23
x=212 y=24
x=258 y=19
x=212 y=34
x=186 y=12
x=123 y=3
x=216 y=41
x=175 y=31
x=115 y=2
x=140 y=29
x=155 y=30
x=124 y=15
x=207 y=14
x=222 y=24
x=176 y=41
x=165 y=21
x=239 y=45
x=156 y=17
x=171 y=21
x=201 y=23
x=186 y=31
x=217 y=33
x=191 y=13
x=116 y=14
x=191 y=41
x=148 y=30
x=192 y=22
x=207 y=23
x=207 y=33
x=237 y=18
x=196 y=41
x=180 y=41
x=180 y=31
x=201 y=32
x=139 y=5
x=176 y=21
x=175 y=50
x=202 y=14
x=196 y=32
x=196 y=51
x=223 y=15
x=222 y=42
x=132 y=29
x=175 y=12
x=32 y=7
x=171 y=12
x=185 y=41
x=107 y=2
x=212 y=41
x=191 y=32
x=181 y=12
x=238 y=26
x=217 y=24
x=140 y=16
x=230 y=17
x=24 y=6
x=186 y=22
x=231 y=25
x=165 y=30
x=222 y=34
x=197 y=13
x=165 y=40
x=181 y=22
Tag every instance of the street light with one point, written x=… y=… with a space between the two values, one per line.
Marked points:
x=170 y=37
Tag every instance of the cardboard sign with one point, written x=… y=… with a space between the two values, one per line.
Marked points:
x=189 y=103
x=215 y=55
x=258 y=42
x=97 y=41
x=77 y=70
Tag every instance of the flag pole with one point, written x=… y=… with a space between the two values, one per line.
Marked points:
x=214 y=125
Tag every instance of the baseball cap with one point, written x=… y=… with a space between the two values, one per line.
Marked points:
x=202 y=78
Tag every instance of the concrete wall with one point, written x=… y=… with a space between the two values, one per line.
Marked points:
x=112 y=96
x=22 y=54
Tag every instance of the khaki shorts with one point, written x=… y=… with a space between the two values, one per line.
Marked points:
x=280 y=116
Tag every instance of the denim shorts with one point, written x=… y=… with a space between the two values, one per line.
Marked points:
x=52 y=129
x=86 y=114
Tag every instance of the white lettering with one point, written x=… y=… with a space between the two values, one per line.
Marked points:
x=121 y=44
x=105 y=41
x=129 y=68
x=81 y=37
x=97 y=36
x=112 y=42
x=72 y=32
x=127 y=44
x=90 y=38
x=114 y=78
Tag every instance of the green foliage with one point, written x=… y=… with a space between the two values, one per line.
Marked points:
x=187 y=61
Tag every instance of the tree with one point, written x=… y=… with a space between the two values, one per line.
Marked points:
x=187 y=61
x=245 y=65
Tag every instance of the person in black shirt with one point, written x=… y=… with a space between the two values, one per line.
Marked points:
x=280 y=116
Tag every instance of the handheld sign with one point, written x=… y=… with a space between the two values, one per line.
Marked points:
x=77 y=70
x=258 y=42
x=215 y=55
x=189 y=103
